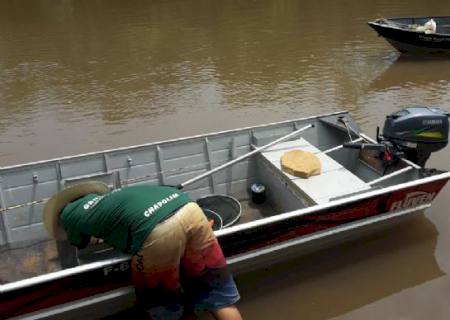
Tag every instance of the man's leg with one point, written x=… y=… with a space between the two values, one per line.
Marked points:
x=205 y=277
x=227 y=313
x=156 y=273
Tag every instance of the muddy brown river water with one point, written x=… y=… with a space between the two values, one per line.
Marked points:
x=81 y=76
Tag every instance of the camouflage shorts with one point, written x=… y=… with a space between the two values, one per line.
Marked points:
x=181 y=266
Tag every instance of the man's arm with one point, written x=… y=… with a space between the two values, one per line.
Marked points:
x=78 y=239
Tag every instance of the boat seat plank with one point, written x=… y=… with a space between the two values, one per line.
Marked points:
x=334 y=180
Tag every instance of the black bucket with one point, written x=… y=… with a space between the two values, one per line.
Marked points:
x=227 y=207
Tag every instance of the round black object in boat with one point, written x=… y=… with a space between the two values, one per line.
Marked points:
x=258 y=193
x=227 y=207
x=217 y=222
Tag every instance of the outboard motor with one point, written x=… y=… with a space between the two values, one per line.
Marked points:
x=412 y=133
x=417 y=132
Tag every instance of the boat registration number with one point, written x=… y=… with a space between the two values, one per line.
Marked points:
x=121 y=267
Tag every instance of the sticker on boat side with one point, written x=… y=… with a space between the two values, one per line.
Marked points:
x=413 y=199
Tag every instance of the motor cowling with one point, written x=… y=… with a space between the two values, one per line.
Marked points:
x=417 y=131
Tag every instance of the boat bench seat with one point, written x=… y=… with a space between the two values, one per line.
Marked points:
x=334 y=180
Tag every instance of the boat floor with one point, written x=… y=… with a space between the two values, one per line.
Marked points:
x=28 y=260
x=32 y=259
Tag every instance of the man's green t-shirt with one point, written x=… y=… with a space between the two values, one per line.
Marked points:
x=123 y=218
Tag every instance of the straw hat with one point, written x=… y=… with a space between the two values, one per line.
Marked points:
x=57 y=202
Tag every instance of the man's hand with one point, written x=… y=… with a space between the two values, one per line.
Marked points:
x=96 y=241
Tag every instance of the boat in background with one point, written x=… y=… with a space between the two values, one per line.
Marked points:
x=364 y=185
x=410 y=35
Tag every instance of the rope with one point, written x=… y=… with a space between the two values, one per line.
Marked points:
x=23 y=205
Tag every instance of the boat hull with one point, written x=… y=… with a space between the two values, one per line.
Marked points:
x=413 y=42
x=74 y=292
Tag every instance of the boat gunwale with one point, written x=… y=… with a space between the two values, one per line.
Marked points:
x=207 y=134
x=325 y=233
x=333 y=203
x=20 y=284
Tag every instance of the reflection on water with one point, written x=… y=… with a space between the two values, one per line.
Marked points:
x=335 y=281
x=81 y=76
x=427 y=79
x=409 y=81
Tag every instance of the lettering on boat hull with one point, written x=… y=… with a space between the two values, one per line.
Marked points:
x=413 y=199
